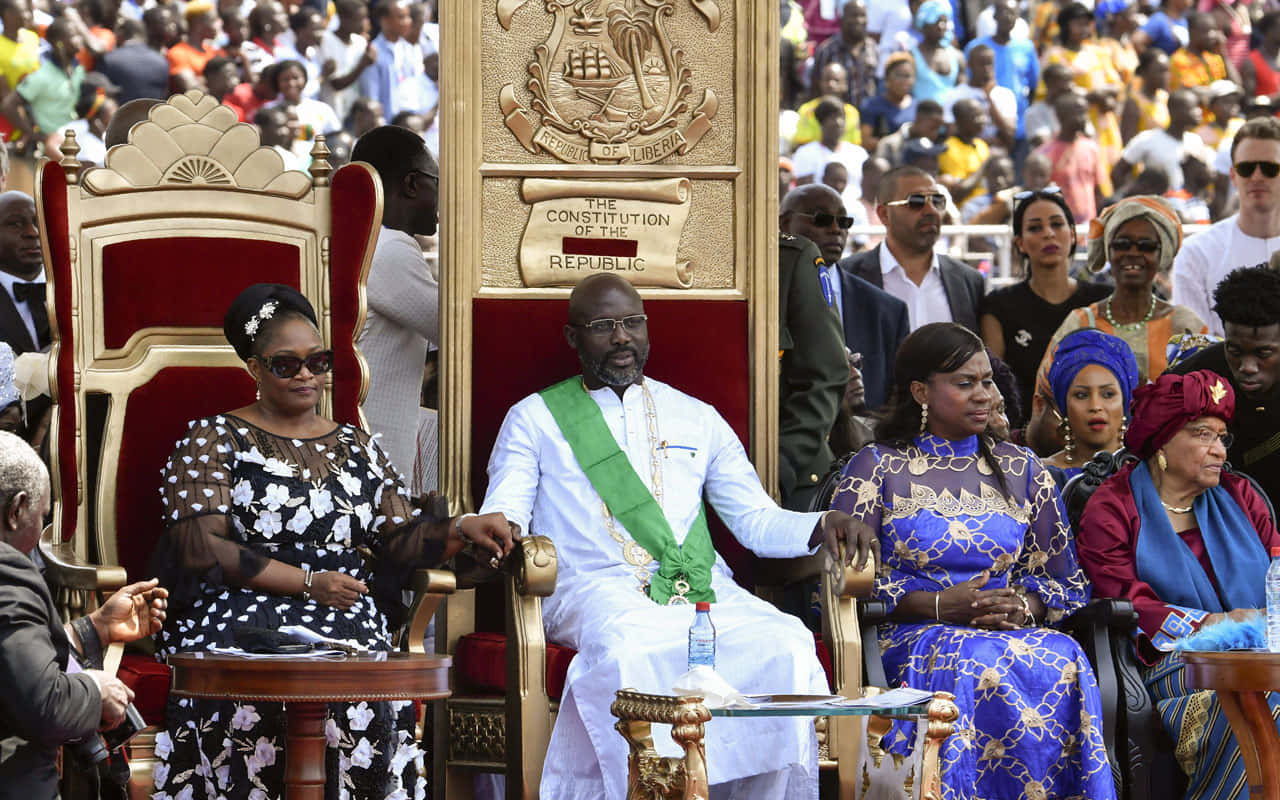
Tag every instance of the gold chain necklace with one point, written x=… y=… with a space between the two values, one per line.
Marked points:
x=632 y=552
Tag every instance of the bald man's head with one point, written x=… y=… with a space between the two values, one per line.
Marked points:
x=126 y=116
x=807 y=195
x=608 y=328
x=817 y=213
x=586 y=297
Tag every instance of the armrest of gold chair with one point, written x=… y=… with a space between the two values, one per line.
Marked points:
x=429 y=587
x=75 y=583
x=842 y=585
x=529 y=721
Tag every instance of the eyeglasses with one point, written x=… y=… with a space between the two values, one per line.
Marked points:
x=432 y=176
x=1245 y=169
x=1052 y=190
x=607 y=325
x=1120 y=244
x=822 y=219
x=1206 y=437
x=916 y=201
x=289 y=366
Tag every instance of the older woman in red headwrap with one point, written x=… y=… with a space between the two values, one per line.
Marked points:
x=1188 y=544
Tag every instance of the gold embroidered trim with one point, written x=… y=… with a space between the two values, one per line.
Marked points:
x=924 y=498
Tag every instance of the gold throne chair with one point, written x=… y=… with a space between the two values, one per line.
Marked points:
x=143 y=256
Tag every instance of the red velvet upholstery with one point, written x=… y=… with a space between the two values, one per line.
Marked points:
x=141 y=278
x=54 y=198
x=354 y=190
x=518 y=347
x=149 y=680
x=481 y=664
x=163 y=407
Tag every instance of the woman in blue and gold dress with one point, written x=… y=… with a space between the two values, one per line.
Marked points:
x=977 y=561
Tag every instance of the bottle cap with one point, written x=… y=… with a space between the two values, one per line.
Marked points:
x=1275 y=553
x=705 y=606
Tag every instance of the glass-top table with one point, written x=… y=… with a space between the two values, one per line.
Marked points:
x=637 y=712
x=896 y=704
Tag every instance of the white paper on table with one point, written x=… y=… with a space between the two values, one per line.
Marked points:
x=893 y=698
x=707 y=683
x=307 y=635
x=316 y=654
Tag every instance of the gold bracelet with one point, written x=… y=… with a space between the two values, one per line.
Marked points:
x=937 y=596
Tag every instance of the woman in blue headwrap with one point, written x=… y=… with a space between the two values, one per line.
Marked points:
x=939 y=65
x=1092 y=376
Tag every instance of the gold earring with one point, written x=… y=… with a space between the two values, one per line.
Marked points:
x=1069 y=443
x=924 y=417
x=1161 y=460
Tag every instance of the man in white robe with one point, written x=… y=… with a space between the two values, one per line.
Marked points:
x=680 y=448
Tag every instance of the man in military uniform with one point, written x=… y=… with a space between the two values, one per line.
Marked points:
x=814 y=370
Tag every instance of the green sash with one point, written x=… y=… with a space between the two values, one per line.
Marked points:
x=629 y=500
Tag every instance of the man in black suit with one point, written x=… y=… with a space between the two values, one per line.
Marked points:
x=936 y=288
x=43 y=706
x=24 y=318
x=874 y=321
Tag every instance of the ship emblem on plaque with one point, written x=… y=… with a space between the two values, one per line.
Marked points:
x=609 y=85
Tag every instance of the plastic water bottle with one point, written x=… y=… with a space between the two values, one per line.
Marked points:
x=1273 y=605
x=702 y=636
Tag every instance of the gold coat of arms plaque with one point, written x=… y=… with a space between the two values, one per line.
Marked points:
x=609 y=85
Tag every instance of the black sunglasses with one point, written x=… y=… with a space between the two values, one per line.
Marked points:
x=822 y=219
x=916 y=201
x=1121 y=244
x=1245 y=169
x=289 y=366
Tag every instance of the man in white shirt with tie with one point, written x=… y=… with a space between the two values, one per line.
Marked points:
x=24 y=318
x=634 y=554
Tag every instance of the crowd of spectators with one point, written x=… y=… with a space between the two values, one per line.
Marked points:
x=1125 y=97
x=1136 y=120
x=294 y=70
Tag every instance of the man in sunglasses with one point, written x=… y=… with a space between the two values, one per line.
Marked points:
x=614 y=466
x=1243 y=240
x=813 y=366
x=404 y=297
x=873 y=321
x=935 y=288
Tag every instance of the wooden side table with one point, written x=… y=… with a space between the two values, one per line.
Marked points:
x=306 y=686
x=1242 y=680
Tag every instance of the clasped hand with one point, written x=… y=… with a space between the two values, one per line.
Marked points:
x=859 y=539
x=969 y=604
x=487 y=533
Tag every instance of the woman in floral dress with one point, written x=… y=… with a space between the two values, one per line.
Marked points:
x=977 y=567
x=265 y=509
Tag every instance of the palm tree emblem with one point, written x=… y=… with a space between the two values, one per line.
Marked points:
x=633 y=34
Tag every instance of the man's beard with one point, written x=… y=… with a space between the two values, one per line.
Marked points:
x=614 y=376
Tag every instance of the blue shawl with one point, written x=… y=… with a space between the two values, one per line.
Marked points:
x=1165 y=562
